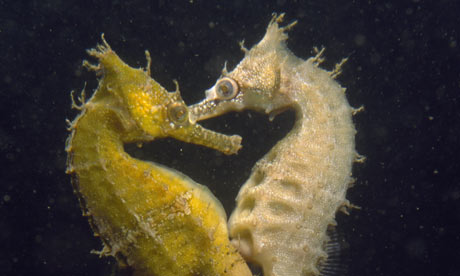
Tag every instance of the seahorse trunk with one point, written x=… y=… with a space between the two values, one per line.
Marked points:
x=286 y=206
x=144 y=212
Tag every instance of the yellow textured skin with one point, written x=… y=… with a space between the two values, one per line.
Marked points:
x=151 y=218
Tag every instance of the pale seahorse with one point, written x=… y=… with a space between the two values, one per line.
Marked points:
x=151 y=218
x=286 y=207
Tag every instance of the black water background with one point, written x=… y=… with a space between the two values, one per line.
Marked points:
x=403 y=67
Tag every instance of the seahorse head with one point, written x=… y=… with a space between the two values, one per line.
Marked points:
x=256 y=83
x=143 y=104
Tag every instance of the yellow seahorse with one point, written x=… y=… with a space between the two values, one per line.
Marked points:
x=290 y=200
x=149 y=217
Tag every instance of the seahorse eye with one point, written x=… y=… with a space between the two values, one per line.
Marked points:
x=226 y=88
x=177 y=113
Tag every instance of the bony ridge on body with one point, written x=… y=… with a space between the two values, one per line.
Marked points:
x=151 y=218
x=287 y=206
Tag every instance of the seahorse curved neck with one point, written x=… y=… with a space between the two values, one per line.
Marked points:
x=323 y=126
x=96 y=155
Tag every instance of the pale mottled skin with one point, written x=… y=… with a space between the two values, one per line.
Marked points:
x=286 y=206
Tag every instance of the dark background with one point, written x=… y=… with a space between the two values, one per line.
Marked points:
x=403 y=67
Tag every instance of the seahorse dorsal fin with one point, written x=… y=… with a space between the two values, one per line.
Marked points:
x=336 y=262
